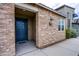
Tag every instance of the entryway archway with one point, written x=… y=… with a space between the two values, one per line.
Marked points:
x=25 y=30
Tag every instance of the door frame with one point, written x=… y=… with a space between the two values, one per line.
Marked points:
x=33 y=10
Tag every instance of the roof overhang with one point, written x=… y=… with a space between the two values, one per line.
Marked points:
x=33 y=9
x=50 y=9
x=26 y=7
x=64 y=6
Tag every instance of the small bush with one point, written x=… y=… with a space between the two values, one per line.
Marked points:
x=70 y=34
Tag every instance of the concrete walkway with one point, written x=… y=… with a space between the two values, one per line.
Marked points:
x=69 y=47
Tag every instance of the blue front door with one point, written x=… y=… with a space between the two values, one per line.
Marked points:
x=21 y=30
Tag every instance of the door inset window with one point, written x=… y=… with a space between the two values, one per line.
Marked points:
x=61 y=25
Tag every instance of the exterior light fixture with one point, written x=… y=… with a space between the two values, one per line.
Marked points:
x=50 y=21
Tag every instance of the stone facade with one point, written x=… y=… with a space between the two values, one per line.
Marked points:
x=45 y=34
x=7 y=29
x=48 y=34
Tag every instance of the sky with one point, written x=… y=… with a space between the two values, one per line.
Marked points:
x=56 y=5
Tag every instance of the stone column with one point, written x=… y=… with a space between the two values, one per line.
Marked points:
x=7 y=29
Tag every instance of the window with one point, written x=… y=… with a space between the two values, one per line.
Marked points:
x=61 y=25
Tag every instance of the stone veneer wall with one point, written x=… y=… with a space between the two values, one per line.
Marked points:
x=48 y=35
x=45 y=34
x=7 y=29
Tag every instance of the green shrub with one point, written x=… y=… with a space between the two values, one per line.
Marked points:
x=70 y=34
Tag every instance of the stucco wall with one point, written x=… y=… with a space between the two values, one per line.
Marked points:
x=62 y=11
x=67 y=12
x=31 y=29
x=7 y=29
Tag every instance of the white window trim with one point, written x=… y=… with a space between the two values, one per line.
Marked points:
x=61 y=24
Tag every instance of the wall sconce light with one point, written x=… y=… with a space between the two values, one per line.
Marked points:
x=50 y=22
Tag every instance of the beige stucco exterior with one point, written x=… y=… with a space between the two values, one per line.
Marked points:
x=44 y=33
